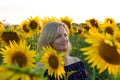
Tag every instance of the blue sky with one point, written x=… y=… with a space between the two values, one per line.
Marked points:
x=14 y=11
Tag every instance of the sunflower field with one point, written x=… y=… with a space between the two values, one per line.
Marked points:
x=95 y=42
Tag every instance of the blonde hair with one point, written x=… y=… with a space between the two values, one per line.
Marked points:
x=48 y=34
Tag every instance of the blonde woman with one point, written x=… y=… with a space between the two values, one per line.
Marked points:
x=56 y=34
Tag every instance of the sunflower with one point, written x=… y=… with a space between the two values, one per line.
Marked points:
x=10 y=34
x=110 y=20
x=46 y=20
x=104 y=53
x=78 y=29
x=68 y=21
x=85 y=26
x=19 y=54
x=39 y=29
x=53 y=62
x=2 y=27
x=116 y=37
x=24 y=28
x=22 y=76
x=34 y=23
x=93 y=23
x=109 y=28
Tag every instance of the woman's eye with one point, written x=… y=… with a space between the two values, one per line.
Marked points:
x=58 y=36
x=65 y=35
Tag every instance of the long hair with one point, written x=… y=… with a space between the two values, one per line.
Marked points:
x=48 y=34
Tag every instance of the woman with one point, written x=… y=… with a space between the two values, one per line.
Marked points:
x=56 y=34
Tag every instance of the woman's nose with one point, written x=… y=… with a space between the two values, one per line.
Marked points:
x=64 y=38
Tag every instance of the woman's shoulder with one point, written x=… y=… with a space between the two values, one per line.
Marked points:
x=79 y=68
x=75 y=64
x=75 y=59
x=71 y=60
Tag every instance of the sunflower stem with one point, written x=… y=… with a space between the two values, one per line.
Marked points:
x=94 y=74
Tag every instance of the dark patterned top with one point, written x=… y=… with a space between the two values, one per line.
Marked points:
x=80 y=73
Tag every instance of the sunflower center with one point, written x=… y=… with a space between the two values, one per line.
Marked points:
x=109 y=53
x=19 y=58
x=79 y=31
x=67 y=23
x=53 y=61
x=94 y=23
x=109 y=30
x=39 y=28
x=33 y=25
x=118 y=39
x=75 y=29
x=25 y=28
x=10 y=36
x=110 y=21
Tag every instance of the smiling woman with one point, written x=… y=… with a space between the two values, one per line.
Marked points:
x=56 y=59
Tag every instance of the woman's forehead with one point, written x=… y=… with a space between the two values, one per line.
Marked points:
x=61 y=29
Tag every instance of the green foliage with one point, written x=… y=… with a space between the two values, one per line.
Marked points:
x=117 y=77
x=69 y=73
x=36 y=72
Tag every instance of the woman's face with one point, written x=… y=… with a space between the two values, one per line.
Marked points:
x=61 y=41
